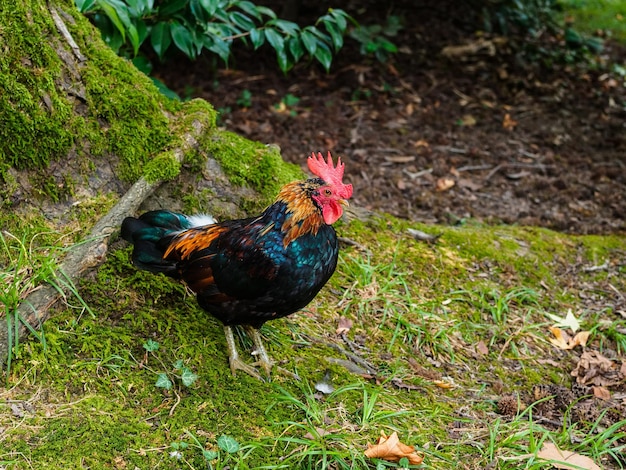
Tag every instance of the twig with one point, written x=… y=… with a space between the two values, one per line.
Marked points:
x=447 y=148
x=601 y=267
x=415 y=175
x=66 y=34
x=539 y=166
x=474 y=167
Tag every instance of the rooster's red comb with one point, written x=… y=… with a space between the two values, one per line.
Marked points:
x=333 y=175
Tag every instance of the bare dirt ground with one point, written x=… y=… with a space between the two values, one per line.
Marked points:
x=470 y=132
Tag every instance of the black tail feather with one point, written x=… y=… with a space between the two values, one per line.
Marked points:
x=151 y=234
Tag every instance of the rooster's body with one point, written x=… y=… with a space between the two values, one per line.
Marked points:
x=249 y=271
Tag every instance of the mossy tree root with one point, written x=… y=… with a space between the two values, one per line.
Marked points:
x=35 y=308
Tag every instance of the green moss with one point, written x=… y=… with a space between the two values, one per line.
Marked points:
x=127 y=101
x=251 y=163
x=125 y=114
x=163 y=167
x=38 y=124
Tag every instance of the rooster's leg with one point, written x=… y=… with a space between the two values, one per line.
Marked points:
x=233 y=356
x=263 y=358
x=259 y=350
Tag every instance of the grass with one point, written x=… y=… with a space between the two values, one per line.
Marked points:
x=24 y=266
x=591 y=16
x=438 y=335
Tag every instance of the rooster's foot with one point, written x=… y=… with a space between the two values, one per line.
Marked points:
x=233 y=356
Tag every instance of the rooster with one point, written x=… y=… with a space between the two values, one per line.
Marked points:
x=248 y=271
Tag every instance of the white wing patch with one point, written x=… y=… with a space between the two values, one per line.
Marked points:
x=199 y=220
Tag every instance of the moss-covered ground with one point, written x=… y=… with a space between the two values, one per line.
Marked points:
x=88 y=397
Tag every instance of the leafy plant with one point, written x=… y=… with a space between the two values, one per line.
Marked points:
x=178 y=372
x=192 y=26
x=529 y=20
x=245 y=99
x=374 y=39
x=214 y=459
x=287 y=104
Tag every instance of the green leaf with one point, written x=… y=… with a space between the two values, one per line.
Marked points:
x=142 y=30
x=309 y=41
x=319 y=33
x=220 y=47
x=165 y=91
x=110 y=33
x=198 y=11
x=324 y=56
x=295 y=48
x=257 y=37
x=188 y=377
x=266 y=11
x=335 y=34
x=340 y=17
x=288 y=27
x=145 y=66
x=387 y=45
x=241 y=20
x=133 y=37
x=160 y=38
x=84 y=5
x=209 y=454
x=250 y=8
x=133 y=8
x=183 y=38
x=227 y=444
x=178 y=364
x=169 y=8
x=210 y=6
x=163 y=381
x=275 y=39
x=112 y=13
x=151 y=345
x=283 y=60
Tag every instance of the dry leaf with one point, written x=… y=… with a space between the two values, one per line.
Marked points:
x=563 y=341
x=508 y=123
x=595 y=369
x=564 y=459
x=443 y=384
x=443 y=184
x=421 y=143
x=482 y=348
x=602 y=393
x=343 y=326
x=391 y=449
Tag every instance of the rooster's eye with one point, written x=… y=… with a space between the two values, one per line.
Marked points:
x=328 y=192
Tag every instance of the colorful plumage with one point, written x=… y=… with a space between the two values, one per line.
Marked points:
x=248 y=271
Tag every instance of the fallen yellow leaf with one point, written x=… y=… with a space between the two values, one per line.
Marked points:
x=443 y=384
x=391 y=449
x=562 y=340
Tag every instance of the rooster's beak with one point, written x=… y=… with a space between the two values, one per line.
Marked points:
x=343 y=202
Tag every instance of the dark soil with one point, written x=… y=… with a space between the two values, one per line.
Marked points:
x=439 y=137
